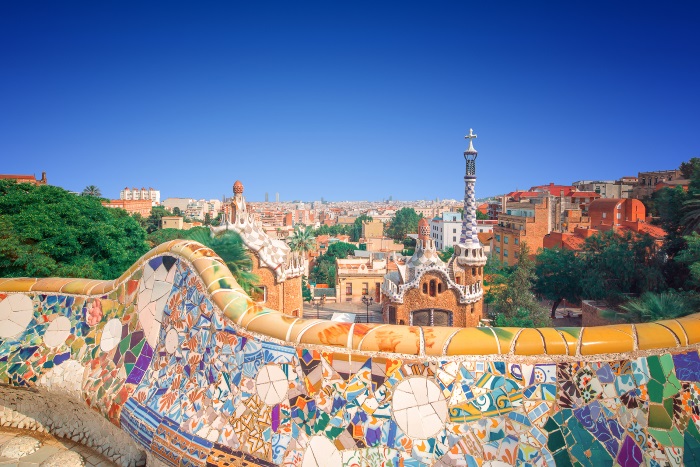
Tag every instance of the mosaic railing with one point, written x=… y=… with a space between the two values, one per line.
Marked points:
x=172 y=362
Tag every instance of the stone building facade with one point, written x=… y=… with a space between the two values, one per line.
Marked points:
x=425 y=290
x=647 y=181
x=280 y=270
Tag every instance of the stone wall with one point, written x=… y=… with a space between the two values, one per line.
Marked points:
x=175 y=356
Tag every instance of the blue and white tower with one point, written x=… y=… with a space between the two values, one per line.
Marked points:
x=469 y=231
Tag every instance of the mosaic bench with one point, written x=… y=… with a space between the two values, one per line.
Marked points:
x=172 y=364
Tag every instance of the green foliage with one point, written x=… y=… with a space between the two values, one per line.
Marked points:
x=653 y=307
x=176 y=211
x=690 y=169
x=153 y=221
x=230 y=248
x=305 y=290
x=92 y=190
x=157 y=237
x=447 y=253
x=302 y=240
x=558 y=276
x=46 y=231
x=340 y=250
x=404 y=223
x=207 y=219
x=334 y=230
x=616 y=265
x=690 y=257
x=357 y=227
x=516 y=302
x=480 y=216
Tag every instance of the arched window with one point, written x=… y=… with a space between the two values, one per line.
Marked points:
x=439 y=287
x=473 y=271
x=432 y=288
x=458 y=279
x=425 y=287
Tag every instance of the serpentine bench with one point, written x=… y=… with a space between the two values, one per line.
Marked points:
x=173 y=364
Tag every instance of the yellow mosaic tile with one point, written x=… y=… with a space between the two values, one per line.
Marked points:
x=217 y=272
x=232 y=303
x=654 y=336
x=223 y=283
x=19 y=284
x=50 y=284
x=571 y=337
x=505 y=337
x=692 y=329
x=396 y=339
x=676 y=328
x=327 y=333
x=300 y=326
x=164 y=247
x=607 y=339
x=473 y=341
x=529 y=342
x=253 y=310
x=273 y=324
x=435 y=337
x=554 y=342
x=103 y=288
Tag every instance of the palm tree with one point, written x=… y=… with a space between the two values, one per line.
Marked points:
x=92 y=190
x=653 y=307
x=691 y=219
x=302 y=240
x=229 y=246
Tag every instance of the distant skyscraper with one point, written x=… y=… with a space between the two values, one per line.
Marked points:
x=267 y=198
x=277 y=197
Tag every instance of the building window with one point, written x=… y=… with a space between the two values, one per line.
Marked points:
x=432 y=288
x=439 y=287
x=431 y=317
x=505 y=253
x=454 y=230
x=425 y=287
x=516 y=254
x=505 y=240
x=348 y=288
x=619 y=215
x=365 y=288
x=605 y=214
x=517 y=241
x=454 y=239
x=498 y=238
x=259 y=296
x=392 y=315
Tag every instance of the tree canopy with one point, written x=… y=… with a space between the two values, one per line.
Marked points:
x=357 y=227
x=404 y=222
x=558 y=275
x=45 y=231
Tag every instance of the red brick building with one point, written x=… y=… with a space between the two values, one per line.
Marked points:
x=31 y=179
x=132 y=206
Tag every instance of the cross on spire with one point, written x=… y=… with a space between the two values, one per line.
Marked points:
x=471 y=135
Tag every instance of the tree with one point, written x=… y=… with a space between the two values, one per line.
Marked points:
x=357 y=227
x=305 y=290
x=481 y=216
x=516 y=302
x=653 y=307
x=230 y=248
x=176 y=211
x=46 y=231
x=690 y=257
x=558 y=276
x=447 y=253
x=690 y=168
x=404 y=222
x=92 y=190
x=340 y=250
x=302 y=240
x=207 y=219
x=619 y=264
x=153 y=221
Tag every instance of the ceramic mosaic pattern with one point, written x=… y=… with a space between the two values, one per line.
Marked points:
x=197 y=386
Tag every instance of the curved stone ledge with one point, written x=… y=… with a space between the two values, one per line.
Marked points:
x=431 y=341
x=175 y=357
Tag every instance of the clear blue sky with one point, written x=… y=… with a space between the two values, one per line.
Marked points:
x=351 y=100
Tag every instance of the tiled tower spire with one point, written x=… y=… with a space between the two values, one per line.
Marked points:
x=469 y=231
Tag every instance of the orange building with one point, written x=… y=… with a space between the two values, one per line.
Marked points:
x=132 y=206
x=279 y=269
x=608 y=213
x=524 y=222
x=31 y=179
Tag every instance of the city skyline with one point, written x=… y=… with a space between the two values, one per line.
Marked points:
x=189 y=100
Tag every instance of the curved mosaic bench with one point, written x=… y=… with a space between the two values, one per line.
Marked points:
x=172 y=364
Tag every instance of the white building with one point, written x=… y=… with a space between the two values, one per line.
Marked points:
x=180 y=203
x=200 y=208
x=445 y=230
x=140 y=194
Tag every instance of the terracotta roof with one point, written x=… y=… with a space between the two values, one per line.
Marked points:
x=18 y=177
x=585 y=194
x=572 y=242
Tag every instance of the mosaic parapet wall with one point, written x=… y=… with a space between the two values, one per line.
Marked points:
x=176 y=358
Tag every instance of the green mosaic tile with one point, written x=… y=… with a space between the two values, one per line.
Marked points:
x=658 y=417
x=656 y=391
x=562 y=459
x=655 y=370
